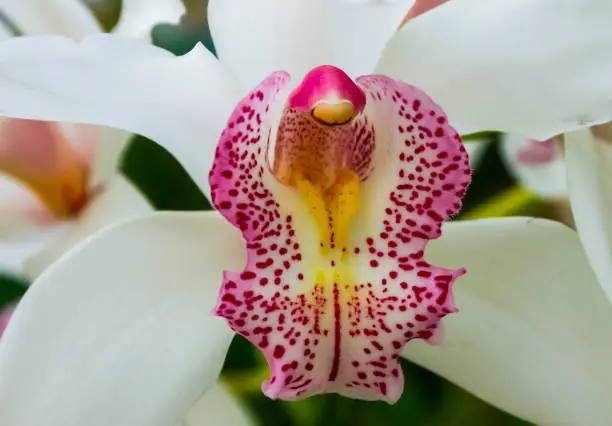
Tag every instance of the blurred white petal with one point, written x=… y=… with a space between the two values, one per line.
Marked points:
x=180 y=102
x=536 y=68
x=17 y=249
x=539 y=166
x=533 y=333
x=5 y=32
x=589 y=179
x=107 y=154
x=476 y=150
x=119 y=200
x=70 y=18
x=20 y=209
x=138 y=17
x=118 y=332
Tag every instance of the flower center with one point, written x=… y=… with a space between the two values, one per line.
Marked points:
x=314 y=154
x=36 y=154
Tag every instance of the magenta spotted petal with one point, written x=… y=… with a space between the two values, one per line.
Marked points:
x=336 y=206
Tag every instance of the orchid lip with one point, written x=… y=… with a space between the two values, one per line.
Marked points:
x=336 y=211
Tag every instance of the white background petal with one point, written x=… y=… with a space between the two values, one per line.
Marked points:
x=118 y=332
x=182 y=103
x=108 y=154
x=255 y=38
x=5 y=32
x=138 y=17
x=548 y=179
x=70 y=18
x=218 y=407
x=589 y=179
x=118 y=201
x=16 y=250
x=536 y=68
x=20 y=209
x=476 y=150
x=533 y=333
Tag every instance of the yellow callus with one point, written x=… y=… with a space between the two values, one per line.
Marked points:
x=331 y=208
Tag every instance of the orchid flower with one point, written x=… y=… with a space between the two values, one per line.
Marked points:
x=337 y=230
x=62 y=184
x=59 y=182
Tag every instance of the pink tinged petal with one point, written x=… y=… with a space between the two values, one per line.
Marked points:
x=118 y=331
x=298 y=35
x=537 y=152
x=5 y=317
x=589 y=164
x=341 y=332
x=71 y=18
x=496 y=78
x=138 y=17
x=37 y=154
x=539 y=166
x=182 y=103
x=421 y=6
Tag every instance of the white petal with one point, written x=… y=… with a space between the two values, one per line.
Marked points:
x=257 y=38
x=545 y=178
x=180 y=102
x=138 y=17
x=69 y=18
x=476 y=150
x=100 y=148
x=218 y=407
x=20 y=209
x=108 y=154
x=5 y=32
x=536 y=68
x=118 y=201
x=589 y=180
x=119 y=331
x=533 y=333
x=16 y=250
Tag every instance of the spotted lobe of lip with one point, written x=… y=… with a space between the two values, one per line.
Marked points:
x=339 y=327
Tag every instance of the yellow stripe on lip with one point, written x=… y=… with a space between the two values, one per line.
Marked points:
x=38 y=155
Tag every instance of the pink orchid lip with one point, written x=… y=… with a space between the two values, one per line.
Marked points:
x=336 y=282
